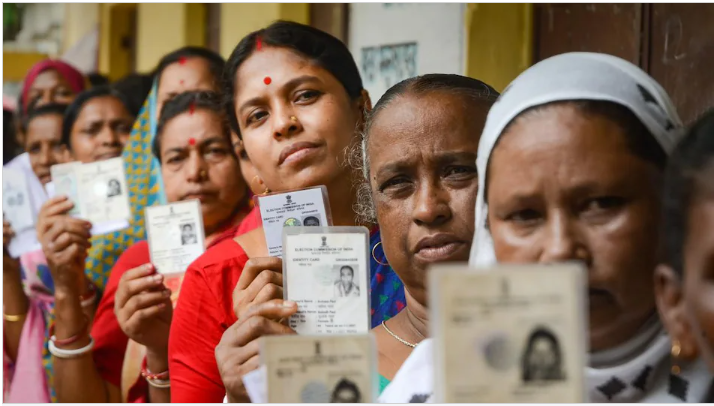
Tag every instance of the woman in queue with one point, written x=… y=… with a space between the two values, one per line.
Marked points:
x=572 y=162
x=197 y=162
x=297 y=102
x=419 y=165
x=683 y=284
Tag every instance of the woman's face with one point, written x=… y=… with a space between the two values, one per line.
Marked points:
x=102 y=128
x=50 y=87
x=197 y=163
x=542 y=355
x=698 y=293
x=44 y=145
x=562 y=186
x=422 y=152
x=297 y=128
x=190 y=74
x=250 y=175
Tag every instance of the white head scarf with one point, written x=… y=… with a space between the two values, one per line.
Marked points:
x=571 y=76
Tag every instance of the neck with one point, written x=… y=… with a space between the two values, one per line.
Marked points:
x=342 y=198
x=413 y=321
x=235 y=217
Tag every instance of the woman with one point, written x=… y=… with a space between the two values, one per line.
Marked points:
x=683 y=286
x=572 y=161
x=296 y=101
x=43 y=140
x=420 y=186
x=95 y=127
x=197 y=160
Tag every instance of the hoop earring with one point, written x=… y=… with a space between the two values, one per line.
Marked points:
x=375 y=257
x=677 y=387
x=260 y=181
x=676 y=351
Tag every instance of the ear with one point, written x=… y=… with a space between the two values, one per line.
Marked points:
x=366 y=101
x=672 y=312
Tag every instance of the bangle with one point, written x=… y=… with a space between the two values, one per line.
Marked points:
x=68 y=340
x=13 y=317
x=66 y=354
x=149 y=376
x=159 y=383
x=90 y=297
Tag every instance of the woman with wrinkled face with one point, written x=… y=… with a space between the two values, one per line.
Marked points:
x=572 y=161
x=420 y=151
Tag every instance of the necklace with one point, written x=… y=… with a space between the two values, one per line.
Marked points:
x=401 y=340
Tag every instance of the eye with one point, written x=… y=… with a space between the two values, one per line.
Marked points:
x=307 y=96
x=459 y=171
x=394 y=183
x=256 y=116
x=524 y=217
x=34 y=148
x=604 y=203
x=217 y=151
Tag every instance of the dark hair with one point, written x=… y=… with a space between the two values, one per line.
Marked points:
x=44 y=110
x=97 y=79
x=136 y=88
x=347 y=267
x=76 y=107
x=540 y=333
x=9 y=141
x=216 y=63
x=322 y=48
x=472 y=90
x=689 y=174
x=188 y=101
x=345 y=384
x=187 y=225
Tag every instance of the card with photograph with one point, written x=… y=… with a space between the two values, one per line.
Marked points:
x=16 y=204
x=64 y=182
x=175 y=234
x=306 y=207
x=103 y=193
x=326 y=272
x=325 y=369
x=511 y=334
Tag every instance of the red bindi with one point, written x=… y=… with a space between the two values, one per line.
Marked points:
x=267 y=80
x=259 y=44
x=181 y=82
x=182 y=60
x=191 y=141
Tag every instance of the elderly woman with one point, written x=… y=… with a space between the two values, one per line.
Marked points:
x=420 y=187
x=571 y=162
x=684 y=286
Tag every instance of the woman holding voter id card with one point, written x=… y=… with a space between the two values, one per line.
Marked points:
x=297 y=102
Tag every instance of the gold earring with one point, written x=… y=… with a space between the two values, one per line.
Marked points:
x=202 y=174
x=375 y=257
x=293 y=118
x=676 y=351
x=260 y=182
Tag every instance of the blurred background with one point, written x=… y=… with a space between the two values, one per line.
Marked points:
x=390 y=41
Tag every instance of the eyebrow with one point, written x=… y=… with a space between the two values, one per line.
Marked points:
x=207 y=141
x=289 y=85
x=440 y=159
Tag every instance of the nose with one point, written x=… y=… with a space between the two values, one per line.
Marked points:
x=561 y=242
x=286 y=124
x=109 y=137
x=431 y=205
x=196 y=168
x=45 y=156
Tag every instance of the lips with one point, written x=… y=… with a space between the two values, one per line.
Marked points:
x=294 y=150
x=201 y=196
x=440 y=247
x=107 y=155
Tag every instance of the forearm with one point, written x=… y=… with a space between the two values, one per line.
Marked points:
x=15 y=307
x=157 y=361
x=77 y=379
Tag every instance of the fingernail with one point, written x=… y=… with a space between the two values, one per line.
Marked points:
x=88 y=225
x=167 y=293
x=289 y=304
x=149 y=267
x=158 y=277
x=161 y=305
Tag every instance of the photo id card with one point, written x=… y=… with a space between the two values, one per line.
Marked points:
x=175 y=234
x=64 y=181
x=103 y=194
x=16 y=204
x=509 y=334
x=325 y=369
x=306 y=207
x=326 y=272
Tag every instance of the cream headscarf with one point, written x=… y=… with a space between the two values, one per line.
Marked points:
x=572 y=76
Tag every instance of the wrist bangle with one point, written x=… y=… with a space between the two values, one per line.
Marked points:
x=68 y=340
x=13 y=317
x=159 y=383
x=150 y=376
x=88 y=299
x=67 y=354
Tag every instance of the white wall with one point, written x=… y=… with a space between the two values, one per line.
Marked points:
x=394 y=41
